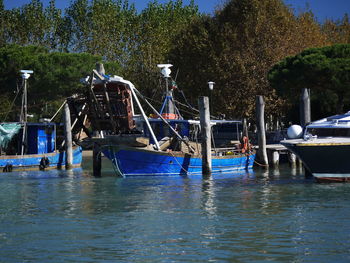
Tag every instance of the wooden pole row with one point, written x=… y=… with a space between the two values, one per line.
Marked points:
x=305 y=118
x=204 y=112
x=68 y=137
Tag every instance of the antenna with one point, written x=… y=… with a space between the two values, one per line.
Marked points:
x=26 y=73
x=25 y=77
x=165 y=69
x=24 y=110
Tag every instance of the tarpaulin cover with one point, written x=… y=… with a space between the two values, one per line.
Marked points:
x=7 y=131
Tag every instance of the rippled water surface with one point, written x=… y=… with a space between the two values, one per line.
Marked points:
x=276 y=216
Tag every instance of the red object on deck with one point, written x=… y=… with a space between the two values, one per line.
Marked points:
x=170 y=116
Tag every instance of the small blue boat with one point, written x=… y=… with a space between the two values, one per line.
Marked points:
x=171 y=146
x=40 y=151
x=32 y=146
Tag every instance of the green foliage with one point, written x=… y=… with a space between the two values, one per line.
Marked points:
x=31 y=24
x=56 y=75
x=110 y=29
x=236 y=49
x=323 y=70
x=338 y=31
x=101 y=27
x=155 y=30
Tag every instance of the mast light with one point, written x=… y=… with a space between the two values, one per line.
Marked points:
x=165 y=69
x=211 y=85
x=26 y=73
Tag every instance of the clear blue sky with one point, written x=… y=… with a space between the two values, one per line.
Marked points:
x=323 y=9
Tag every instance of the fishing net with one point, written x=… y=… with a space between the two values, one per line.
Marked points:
x=7 y=131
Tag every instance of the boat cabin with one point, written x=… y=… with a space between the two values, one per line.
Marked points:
x=334 y=126
x=40 y=138
x=223 y=132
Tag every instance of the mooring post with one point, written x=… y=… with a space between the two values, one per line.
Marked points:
x=275 y=158
x=96 y=155
x=206 y=135
x=292 y=158
x=68 y=137
x=245 y=128
x=260 y=107
x=305 y=108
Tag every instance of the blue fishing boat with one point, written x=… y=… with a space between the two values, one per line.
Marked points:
x=32 y=146
x=170 y=145
x=132 y=161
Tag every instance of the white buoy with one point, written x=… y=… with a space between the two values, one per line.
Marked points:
x=295 y=132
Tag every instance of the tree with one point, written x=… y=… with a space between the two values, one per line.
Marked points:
x=31 y=24
x=56 y=75
x=237 y=47
x=2 y=24
x=54 y=21
x=102 y=28
x=156 y=29
x=323 y=70
x=338 y=31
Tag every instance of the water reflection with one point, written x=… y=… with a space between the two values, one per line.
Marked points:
x=265 y=216
x=208 y=198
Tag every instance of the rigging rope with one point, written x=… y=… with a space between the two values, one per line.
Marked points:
x=13 y=102
x=260 y=164
x=178 y=162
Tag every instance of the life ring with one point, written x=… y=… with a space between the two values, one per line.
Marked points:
x=44 y=163
x=245 y=144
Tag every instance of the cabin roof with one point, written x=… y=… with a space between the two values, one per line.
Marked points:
x=335 y=121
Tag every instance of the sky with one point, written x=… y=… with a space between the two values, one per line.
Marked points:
x=323 y=9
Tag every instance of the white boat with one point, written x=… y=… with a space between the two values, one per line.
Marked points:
x=324 y=148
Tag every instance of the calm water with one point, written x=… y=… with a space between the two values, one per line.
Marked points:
x=73 y=217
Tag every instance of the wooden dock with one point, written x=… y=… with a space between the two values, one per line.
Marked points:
x=274 y=152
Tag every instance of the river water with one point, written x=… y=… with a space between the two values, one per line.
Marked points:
x=275 y=216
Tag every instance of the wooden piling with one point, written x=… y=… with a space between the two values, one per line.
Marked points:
x=305 y=108
x=245 y=128
x=292 y=158
x=275 y=158
x=68 y=137
x=206 y=135
x=97 y=160
x=261 y=154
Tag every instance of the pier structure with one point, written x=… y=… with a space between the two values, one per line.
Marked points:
x=274 y=153
x=269 y=154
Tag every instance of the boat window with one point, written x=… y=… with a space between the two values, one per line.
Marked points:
x=330 y=132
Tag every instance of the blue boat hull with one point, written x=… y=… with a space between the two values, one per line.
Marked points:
x=143 y=162
x=56 y=160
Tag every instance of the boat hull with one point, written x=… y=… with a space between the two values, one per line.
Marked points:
x=56 y=160
x=326 y=162
x=143 y=162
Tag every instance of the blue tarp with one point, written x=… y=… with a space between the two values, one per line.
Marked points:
x=7 y=131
